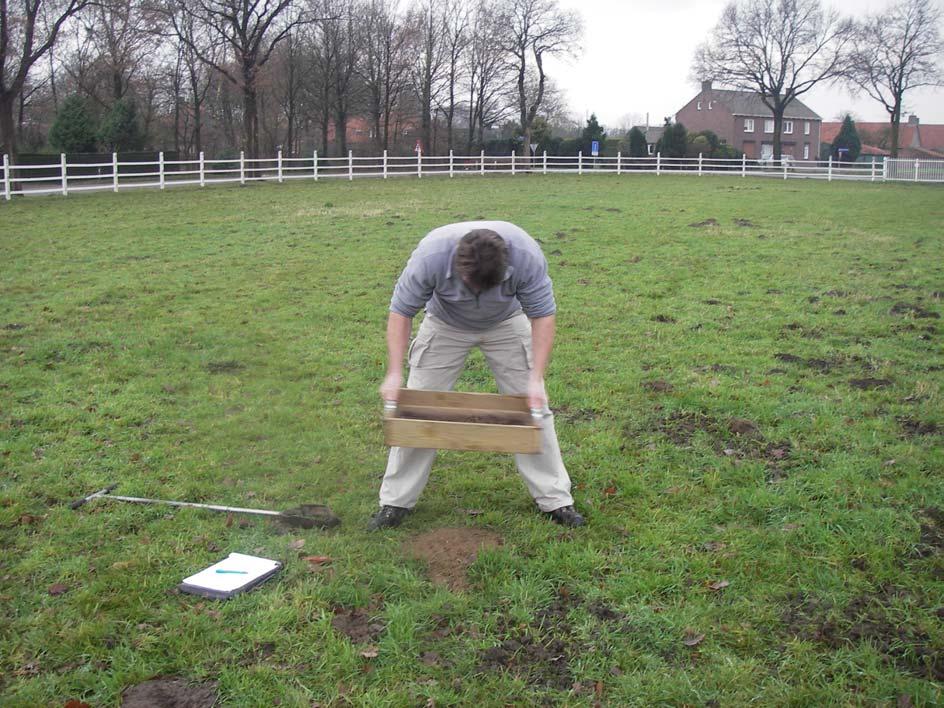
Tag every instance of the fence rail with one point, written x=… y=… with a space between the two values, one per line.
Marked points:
x=60 y=177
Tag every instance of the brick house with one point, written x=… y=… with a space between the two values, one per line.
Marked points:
x=741 y=120
x=914 y=140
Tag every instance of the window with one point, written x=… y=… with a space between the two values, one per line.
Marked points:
x=698 y=106
x=650 y=148
x=768 y=126
x=788 y=127
x=806 y=150
x=710 y=105
x=806 y=128
x=748 y=125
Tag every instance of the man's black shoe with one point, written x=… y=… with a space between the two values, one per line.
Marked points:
x=387 y=517
x=567 y=516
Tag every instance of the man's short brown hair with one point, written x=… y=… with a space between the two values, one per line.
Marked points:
x=482 y=258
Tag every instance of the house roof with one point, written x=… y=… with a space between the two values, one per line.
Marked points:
x=749 y=103
x=919 y=140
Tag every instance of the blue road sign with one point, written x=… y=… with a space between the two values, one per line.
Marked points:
x=595 y=148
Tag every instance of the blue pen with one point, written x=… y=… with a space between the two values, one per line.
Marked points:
x=234 y=572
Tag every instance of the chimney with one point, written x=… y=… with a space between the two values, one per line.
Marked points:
x=706 y=86
x=912 y=119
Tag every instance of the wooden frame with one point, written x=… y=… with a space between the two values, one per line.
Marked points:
x=462 y=421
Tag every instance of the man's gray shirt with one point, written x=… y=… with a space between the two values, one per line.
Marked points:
x=430 y=279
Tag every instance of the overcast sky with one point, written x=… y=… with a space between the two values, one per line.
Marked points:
x=637 y=58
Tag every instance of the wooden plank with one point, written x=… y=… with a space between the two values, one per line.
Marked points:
x=455 y=399
x=443 y=435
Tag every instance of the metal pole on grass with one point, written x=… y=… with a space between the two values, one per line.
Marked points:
x=160 y=168
x=64 y=168
x=202 y=170
x=114 y=171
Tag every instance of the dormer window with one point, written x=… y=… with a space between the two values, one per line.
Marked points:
x=698 y=106
x=711 y=105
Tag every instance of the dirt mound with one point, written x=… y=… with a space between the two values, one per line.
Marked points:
x=170 y=693
x=702 y=224
x=450 y=551
x=358 y=623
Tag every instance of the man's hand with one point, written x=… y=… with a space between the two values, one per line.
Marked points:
x=390 y=388
x=537 y=397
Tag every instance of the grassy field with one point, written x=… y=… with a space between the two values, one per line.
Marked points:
x=748 y=394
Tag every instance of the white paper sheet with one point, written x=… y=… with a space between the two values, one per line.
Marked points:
x=251 y=568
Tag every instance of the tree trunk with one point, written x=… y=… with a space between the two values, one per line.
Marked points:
x=7 y=128
x=778 y=125
x=250 y=124
x=895 y=130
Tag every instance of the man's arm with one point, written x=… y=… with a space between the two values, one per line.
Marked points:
x=542 y=342
x=398 y=338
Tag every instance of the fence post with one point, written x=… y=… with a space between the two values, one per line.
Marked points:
x=450 y=163
x=202 y=170
x=160 y=168
x=744 y=165
x=483 y=162
x=873 y=168
x=784 y=168
x=619 y=159
x=916 y=169
x=63 y=168
x=6 y=177
x=699 y=164
x=242 y=167
x=385 y=164
x=580 y=162
x=315 y=163
x=278 y=165
x=350 y=165
x=545 y=162
x=513 y=163
x=114 y=171
x=419 y=163
x=884 y=168
x=658 y=164
x=829 y=170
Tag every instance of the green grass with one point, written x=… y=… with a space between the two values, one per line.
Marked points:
x=226 y=345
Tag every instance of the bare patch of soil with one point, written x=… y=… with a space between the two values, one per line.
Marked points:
x=541 y=652
x=450 y=552
x=712 y=301
x=571 y=414
x=870 y=618
x=664 y=318
x=744 y=223
x=658 y=386
x=913 y=427
x=932 y=533
x=706 y=222
x=170 y=693
x=223 y=367
x=359 y=624
x=905 y=308
x=869 y=383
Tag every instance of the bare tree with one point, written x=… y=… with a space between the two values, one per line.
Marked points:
x=779 y=49
x=430 y=62
x=537 y=29
x=28 y=29
x=896 y=51
x=456 y=21
x=249 y=30
x=488 y=74
x=383 y=66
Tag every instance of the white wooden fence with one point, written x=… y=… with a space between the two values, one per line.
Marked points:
x=63 y=178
